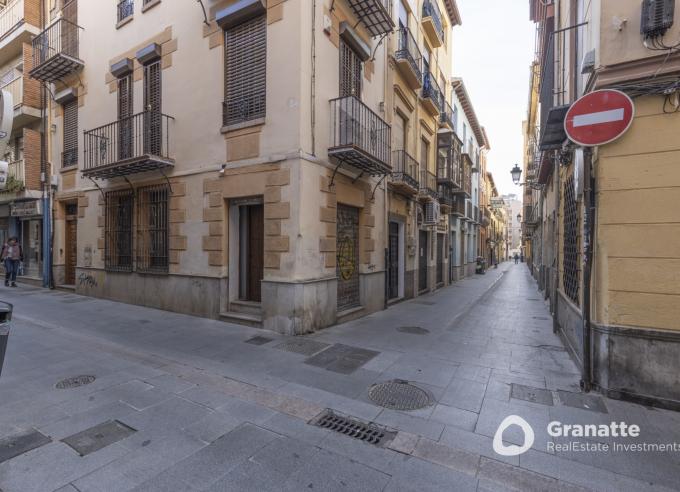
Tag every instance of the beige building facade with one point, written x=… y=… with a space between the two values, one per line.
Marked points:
x=288 y=164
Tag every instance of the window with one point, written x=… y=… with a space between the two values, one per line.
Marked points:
x=69 y=156
x=125 y=9
x=570 y=233
x=350 y=71
x=245 y=76
x=424 y=153
x=403 y=15
x=118 y=231
x=152 y=229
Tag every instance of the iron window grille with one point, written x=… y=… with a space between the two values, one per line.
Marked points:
x=570 y=278
x=152 y=229
x=245 y=63
x=125 y=9
x=118 y=231
x=69 y=156
x=350 y=71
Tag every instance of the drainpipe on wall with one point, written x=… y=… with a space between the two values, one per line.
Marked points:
x=45 y=178
x=589 y=235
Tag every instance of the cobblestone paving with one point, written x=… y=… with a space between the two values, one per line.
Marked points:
x=210 y=412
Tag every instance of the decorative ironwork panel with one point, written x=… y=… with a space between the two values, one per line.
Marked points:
x=70 y=141
x=570 y=278
x=125 y=9
x=350 y=71
x=348 y=257
x=245 y=63
x=118 y=231
x=152 y=229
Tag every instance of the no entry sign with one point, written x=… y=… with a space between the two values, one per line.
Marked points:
x=599 y=117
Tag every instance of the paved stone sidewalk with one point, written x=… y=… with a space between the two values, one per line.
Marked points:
x=200 y=409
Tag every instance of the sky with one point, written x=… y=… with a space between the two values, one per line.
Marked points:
x=492 y=52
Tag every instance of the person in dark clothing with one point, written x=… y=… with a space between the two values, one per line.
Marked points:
x=516 y=258
x=12 y=255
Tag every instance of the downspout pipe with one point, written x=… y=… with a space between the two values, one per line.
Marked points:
x=589 y=235
x=45 y=179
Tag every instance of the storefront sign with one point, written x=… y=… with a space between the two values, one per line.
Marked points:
x=25 y=209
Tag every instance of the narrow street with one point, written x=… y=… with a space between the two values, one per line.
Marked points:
x=204 y=406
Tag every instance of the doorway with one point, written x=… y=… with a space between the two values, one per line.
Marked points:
x=422 y=261
x=393 y=270
x=251 y=252
x=347 y=269
x=440 y=259
x=71 y=243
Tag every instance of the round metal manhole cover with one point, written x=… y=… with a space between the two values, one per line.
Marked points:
x=399 y=395
x=74 y=382
x=413 y=330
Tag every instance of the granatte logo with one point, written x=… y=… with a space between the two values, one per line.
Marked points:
x=512 y=449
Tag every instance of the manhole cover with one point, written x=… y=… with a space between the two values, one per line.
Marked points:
x=364 y=431
x=302 y=346
x=399 y=395
x=74 y=382
x=413 y=330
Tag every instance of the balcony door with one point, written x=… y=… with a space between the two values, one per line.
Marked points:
x=125 y=122
x=153 y=135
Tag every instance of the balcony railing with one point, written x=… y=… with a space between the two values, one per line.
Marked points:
x=359 y=137
x=376 y=15
x=125 y=9
x=446 y=197
x=458 y=206
x=17 y=171
x=130 y=145
x=432 y=14
x=11 y=17
x=404 y=170
x=446 y=115
x=428 y=185
x=408 y=55
x=56 y=51
x=432 y=95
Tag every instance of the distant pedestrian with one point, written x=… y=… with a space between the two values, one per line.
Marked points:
x=521 y=258
x=12 y=256
x=516 y=258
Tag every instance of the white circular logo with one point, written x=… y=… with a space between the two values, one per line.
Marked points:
x=513 y=449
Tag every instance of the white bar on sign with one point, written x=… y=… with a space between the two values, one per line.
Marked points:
x=601 y=117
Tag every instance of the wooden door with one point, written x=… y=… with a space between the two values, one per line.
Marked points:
x=71 y=251
x=255 y=252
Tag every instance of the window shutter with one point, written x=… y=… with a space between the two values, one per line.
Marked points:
x=70 y=152
x=125 y=130
x=350 y=71
x=245 y=71
x=152 y=108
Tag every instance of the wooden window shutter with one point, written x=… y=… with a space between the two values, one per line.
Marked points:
x=70 y=150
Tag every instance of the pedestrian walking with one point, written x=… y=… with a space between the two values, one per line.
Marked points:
x=516 y=258
x=12 y=256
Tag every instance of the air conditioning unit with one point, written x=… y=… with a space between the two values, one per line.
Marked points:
x=432 y=213
x=657 y=17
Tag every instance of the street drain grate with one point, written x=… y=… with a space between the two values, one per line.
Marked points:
x=74 y=382
x=399 y=395
x=364 y=431
x=302 y=346
x=413 y=330
x=258 y=340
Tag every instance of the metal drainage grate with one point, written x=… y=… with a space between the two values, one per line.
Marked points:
x=364 y=431
x=413 y=330
x=399 y=395
x=74 y=382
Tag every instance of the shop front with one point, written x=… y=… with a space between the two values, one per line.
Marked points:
x=25 y=222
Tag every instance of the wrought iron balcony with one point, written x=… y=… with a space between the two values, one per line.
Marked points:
x=409 y=58
x=428 y=186
x=359 y=137
x=446 y=198
x=404 y=172
x=431 y=95
x=465 y=176
x=432 y=23
x=458 y=206
x=56 y=51
x=130 y=145
x=376 y=15
x=446 y=115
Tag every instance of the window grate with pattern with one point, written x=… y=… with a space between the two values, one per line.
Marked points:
x=125 y=9
x=350 y=71
x=570 y=277
x=245 y=78
x=152 y=229
x=118 y=231
x=69 y=156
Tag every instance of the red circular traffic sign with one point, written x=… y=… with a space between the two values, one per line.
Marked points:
x=599 y=117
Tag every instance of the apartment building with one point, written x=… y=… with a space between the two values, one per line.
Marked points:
x=601 y=221
x=288 y=164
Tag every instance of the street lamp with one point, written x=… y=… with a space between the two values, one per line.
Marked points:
x=516 y=174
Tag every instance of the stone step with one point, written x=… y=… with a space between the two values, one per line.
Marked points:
x=254 y=320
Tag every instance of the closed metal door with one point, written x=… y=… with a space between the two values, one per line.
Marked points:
x=347 y=268
x=422 y=261
x=393 y=258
